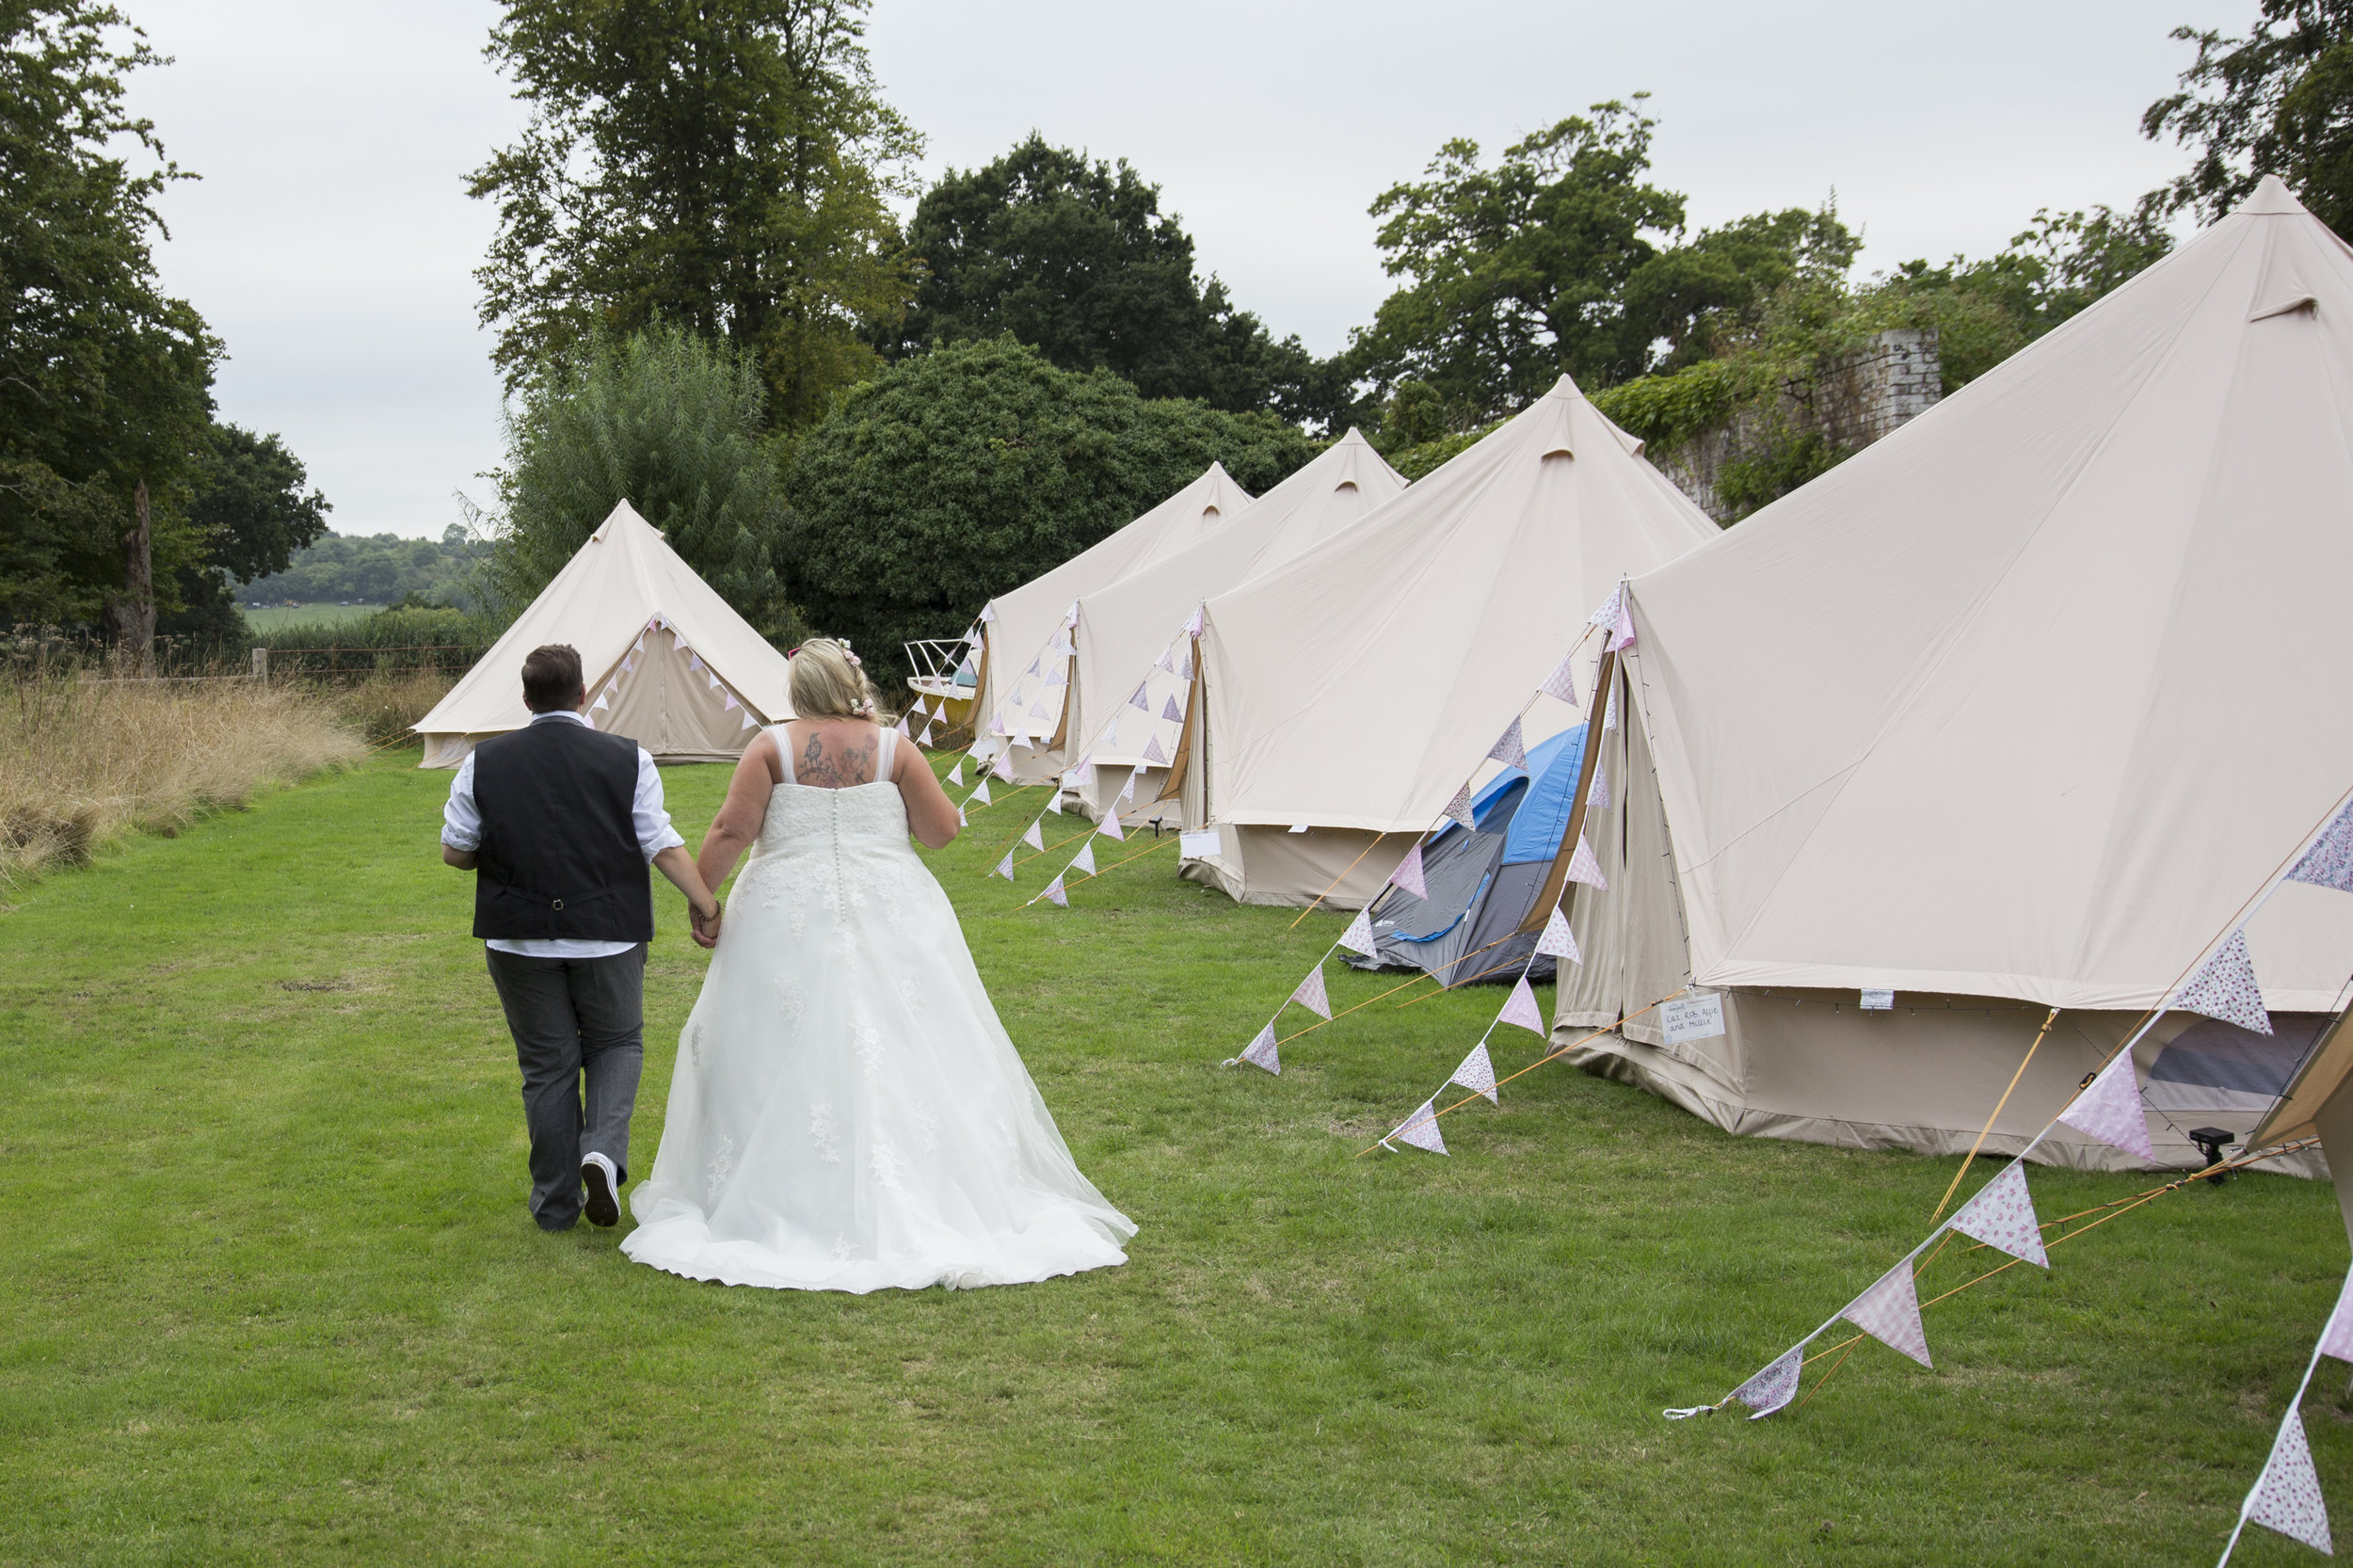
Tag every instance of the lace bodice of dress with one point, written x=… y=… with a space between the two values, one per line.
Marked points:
x=860 y=818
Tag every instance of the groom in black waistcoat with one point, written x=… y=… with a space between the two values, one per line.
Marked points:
x=559 y=824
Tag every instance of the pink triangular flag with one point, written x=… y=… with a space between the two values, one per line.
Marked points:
x=1559 y=941
x=1509 y=750
x=902 y=728
x=629 y=661
x=1460 y=807
x=1584 y=868
x=1607 y=615
x=748 y=723
x=1003 y=767
x=1358 y=937
x=2001 y=1216
x=1311 y=994
x=1420 y=1129
x=732 y=703
x=1622 y=630
x=1184 y=670
x=1152 y=752
x=989 y=613
x=1408 y=874
x=1127 y=791
x=2109 y=1109
x=955 y=774
x=1560 y=685
x=1085 y=864
x=1260 y=1052
x=1598 y=796
x=1053 y=891
x=695 y=662
x=1889 y=1312
x=1110 y=826
x=1053 y=802
x=2287 y=1494
x=1004 y=867
x=1170 y=713
x=1039 y=710
x=981 y=793
x=1192 y=623
x=2225 y=988
x=2336 y=1337
x=1034 y=837
x=1609 y=712
x=641 y=641
x=1140 y=700
x=925 y=738
x=2329 y=862
x=1167 y=660
x=1478 y=1073
x=1520 y=1008
x=1774 y=1387
x=601 y=702
x=710 y=679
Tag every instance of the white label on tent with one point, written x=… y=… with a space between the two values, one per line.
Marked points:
x=1197 y=846
x=1879 y=1002
x=1299 y=827
x=1698 y=1016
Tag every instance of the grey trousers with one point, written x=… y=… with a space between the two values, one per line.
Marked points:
x=575 y=1021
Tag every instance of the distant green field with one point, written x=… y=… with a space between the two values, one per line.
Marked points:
x=279 y=616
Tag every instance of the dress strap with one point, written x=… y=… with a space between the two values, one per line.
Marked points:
x=887 y=756
x=784 y=749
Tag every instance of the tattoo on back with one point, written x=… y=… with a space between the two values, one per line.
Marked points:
x=835 y=767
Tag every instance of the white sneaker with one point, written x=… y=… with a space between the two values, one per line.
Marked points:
x=603 y=1207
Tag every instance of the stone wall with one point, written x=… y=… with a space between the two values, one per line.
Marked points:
x=1889 y=381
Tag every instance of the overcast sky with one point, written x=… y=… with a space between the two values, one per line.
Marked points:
x=330 y=244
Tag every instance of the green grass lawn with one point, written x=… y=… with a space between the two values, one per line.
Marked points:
x=276 y=617
x=272 y=1295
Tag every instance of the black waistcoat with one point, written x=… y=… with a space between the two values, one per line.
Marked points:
x=559 y=853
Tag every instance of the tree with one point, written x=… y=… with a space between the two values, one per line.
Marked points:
x=2278 y=100
x=104 y=381
x=724 y=166
x=248 y=508
x=1077 y=259
x=963 y=473
x=671 y=424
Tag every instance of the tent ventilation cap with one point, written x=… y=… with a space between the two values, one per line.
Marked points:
x=1559 y=451
x=1344 y=485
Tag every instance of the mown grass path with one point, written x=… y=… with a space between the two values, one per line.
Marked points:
x=271 y=1294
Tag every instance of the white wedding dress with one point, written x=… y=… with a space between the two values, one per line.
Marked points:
x=846 y=1112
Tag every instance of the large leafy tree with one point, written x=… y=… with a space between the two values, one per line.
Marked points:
x=104 y=381
x=2278 y=100
x=962 y=473
x=724 y=166
x=252 y=517
x=1075 y=259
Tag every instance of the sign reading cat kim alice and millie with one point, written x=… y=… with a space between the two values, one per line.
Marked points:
x=1697 y=1016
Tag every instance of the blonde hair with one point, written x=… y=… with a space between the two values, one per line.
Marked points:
x=828 y=683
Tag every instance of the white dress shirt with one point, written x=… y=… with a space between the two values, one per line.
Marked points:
x=461 y=828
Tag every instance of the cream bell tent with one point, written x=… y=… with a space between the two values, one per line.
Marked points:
x=1020 y=710
x=2009 y=712
x=1124 y=629
x=1351 y=689
x=669 y=663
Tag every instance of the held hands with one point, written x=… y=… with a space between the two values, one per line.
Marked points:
x=705 y=924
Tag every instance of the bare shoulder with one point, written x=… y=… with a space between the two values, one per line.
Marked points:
x=763 y=755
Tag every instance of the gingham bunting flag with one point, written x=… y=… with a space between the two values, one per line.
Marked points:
x=1420 y=1129
x=1085 y=864
x=955 y=774
x=1055 y=677
x=981 y=793
x=1774 y=1387
x=1478 y=1073
x=1141 y=701
x=1003 y=767
x=1192 y=623
x=2226 y=989
x=2287 y=1494
x=1167 y=660
x=1460 y=808
x=1559 y=941
x=1034 y=837
x=1889 y=1312
x=1184 y=669
x=1607 y=616
x=1311 y=995
x=1053 y=891
x=1111 y=733
x=1170 y=713
x=1408 y=874
x=1035 y=664
x=2336 y=1338
x=1358 y=937
x=1110 y=826
x=1560 y=685
x=1127 y=791
x=2329 y=862
x=1260 y=1052
x=1152 y=752
x=1039 y=710
x=1584 y=868
x=2001 y=1216
x=1598 y=796
x=2109 y=1109
x=1509 y=749
x=1520 y=1008
x=1004 y=867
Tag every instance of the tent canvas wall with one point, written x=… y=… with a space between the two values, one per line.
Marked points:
x=669 y=663
x=1351 y=688
x=2039 y=716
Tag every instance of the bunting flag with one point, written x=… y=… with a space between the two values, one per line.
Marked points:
x=1152 y=752
x=962 y=821
x=1039 y=710
x=695 y=662
x=1004 y=867
x=1035 y=664
x=2336 y=1339
x=1420 y=1129
x=1607 y=616
x=1460 y=808
x=629 y=662
x=1622 y=630
x=1034 y=838
x=2329 y=862
x=1598 y=796
x=2108 y=1108
x=1311 y=995
x=2287 y=1494
x=1193 y=622
x=1584 y=868
x=732 y=703
x=1478 y=1073
x=601 y=702
x=2225 y=988
x=1056 y=678
x=1141 y=702
x=955 y=774
x=1170 y=713
x=1520 y=1008
x=1509 y=750
x=2001 y=1216
x=924 y=739
x=1889 y=1312
x=1003 y=767
x=1774 y=1387
x=1261 y=1052
x=1610 y=712
x=749 y=721
x=1358 y=937
x=641 y=641
x=1085 y=864
x=1111 y=734
x=1560 y=685
x=1110 y=826
x=1184 y=670
x=989 y=613
x=1053 y=802
x=1127 y=791
x=1053 y=891
x=1559 y=941
x=1167 y=660
x=1408 y=874
x=712 y=678
x=902 y=728
x=1070 y=616
x=981 y=793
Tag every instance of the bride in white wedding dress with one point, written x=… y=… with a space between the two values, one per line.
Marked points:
x=847 y=1113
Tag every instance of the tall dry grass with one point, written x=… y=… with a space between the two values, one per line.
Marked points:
x=85 y=760
x=384 y=706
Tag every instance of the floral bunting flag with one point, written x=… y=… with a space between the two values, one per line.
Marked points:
x=981 y=793
x=1062 y=648
x=1261 y=1053
x=1459 y=808
x=1607 y=616
x=1141 y=701
x=2287 y=1494
x=1584 y=868
x=1170 y=713
x=1598 y=796
x=1034 y=837
x=1560 y=685
x=1053 y=891
x=1478 y=1073
x=1056 y=678
x=1622 y=630
x=1167 y=660
x=1420 y=1129
x=1358 y=937
x=1889 y=1312
x=955 y=774
x=2108 y=1108
x=1193 y=622
x=2001 y=1216
x=1311 y=995
x=1520 y=1008
x=1085 y=864
x=2329 y=862
x=1184 y=670
x=1774 y=1387
x=1004 y=867
x=1035 y=666
x=1003 y=767
x=1559 y=941
x=1039 y=710
x=1408 y=874
x=2226 y=989
x=1110 y=826
x=1509 y=750
x=1610 y=712
x=2336 y=1338
x=1152 y=752
x=1127 y=791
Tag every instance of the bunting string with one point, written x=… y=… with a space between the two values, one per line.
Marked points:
x=1987 y=1129
x=1089 y=876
